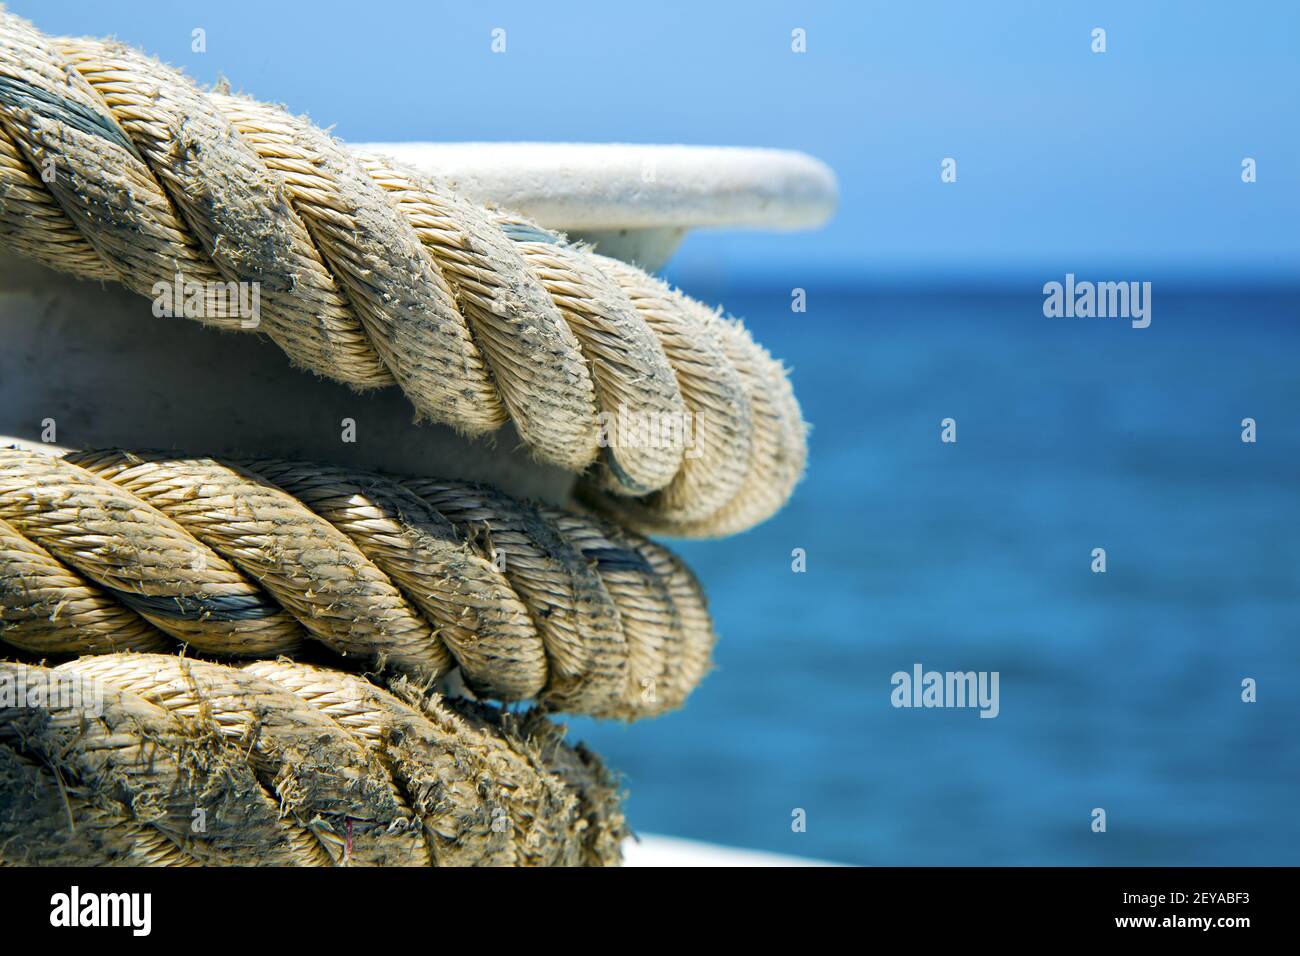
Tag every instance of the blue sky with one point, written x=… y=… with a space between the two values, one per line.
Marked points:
x=1124 y=164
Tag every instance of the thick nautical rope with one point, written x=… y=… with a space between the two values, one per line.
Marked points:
x=114 y=166
x=154 y=759
x=103 y=551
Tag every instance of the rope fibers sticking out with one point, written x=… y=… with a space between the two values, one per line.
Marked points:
x=104 y=551
x=114 y=166
x=158 y=760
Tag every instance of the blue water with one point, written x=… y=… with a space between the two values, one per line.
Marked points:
x=1119 y=690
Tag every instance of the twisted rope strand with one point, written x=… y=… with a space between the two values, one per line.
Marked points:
x=134 y=554
x=713 y=392
x=468 y=601
x=47 y=594
x=538 y=365
x=288 y=764
x=575 y=614
x=629 y=368
x=465 y=771
x=320 y=776
x=123 y=753
x=108 y=550
x=42 y=824
x=371 y=274
x=312 y=569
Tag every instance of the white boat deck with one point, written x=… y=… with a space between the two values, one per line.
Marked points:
x=654 y=850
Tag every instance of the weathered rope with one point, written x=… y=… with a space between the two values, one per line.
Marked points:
x=113 y=166
x=112 y=550
x=152 y=759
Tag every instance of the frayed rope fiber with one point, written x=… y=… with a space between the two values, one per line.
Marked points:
x=116 y=167
x=158 y=760
x=105 y=551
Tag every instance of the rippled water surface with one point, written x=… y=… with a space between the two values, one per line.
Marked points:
x=1119 y=690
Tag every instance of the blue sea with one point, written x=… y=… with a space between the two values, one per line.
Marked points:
x=1119 y=691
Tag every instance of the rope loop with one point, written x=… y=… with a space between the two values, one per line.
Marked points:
x=159 y=760
x=104 y=551
x=114 y=166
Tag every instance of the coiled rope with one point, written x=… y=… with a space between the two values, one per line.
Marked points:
x=151 y=759
x=104 y=551
x=114 y=166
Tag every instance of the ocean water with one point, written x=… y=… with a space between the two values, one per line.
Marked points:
x=1119 y=691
